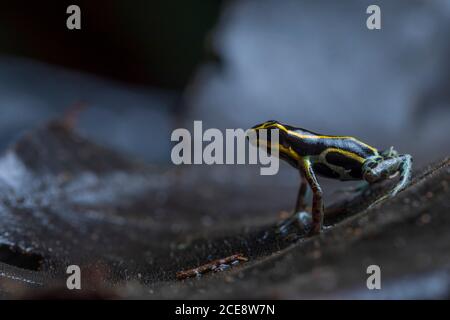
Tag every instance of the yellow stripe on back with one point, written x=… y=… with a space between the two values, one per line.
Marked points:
x=305 y=136
x=289 y=151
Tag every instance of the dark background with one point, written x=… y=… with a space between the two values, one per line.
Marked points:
x=152 y=43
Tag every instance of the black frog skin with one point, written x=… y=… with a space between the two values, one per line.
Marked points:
x=337 y=157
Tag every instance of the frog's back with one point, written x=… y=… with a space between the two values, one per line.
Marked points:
x=306 y=142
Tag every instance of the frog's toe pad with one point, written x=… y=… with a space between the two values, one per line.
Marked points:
x=304 y=219
x=301 y=220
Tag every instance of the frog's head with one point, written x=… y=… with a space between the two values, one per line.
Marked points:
x=261 y=134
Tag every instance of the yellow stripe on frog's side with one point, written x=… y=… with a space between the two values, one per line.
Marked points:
x=305 y=136
x=348 y=154
x=288 y=151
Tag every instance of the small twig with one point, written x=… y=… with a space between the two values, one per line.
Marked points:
x=213 y=266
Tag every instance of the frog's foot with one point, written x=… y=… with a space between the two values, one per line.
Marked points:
x=301 y=220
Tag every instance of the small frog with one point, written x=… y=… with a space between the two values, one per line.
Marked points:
x=337 y=157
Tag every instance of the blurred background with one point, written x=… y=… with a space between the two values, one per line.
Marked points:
x=147 y=67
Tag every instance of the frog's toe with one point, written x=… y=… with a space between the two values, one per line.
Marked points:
x=304 y=219
x=301 y=220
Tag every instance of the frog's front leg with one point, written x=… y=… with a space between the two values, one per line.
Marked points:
x=300 y=204
x=317 y=207
x=299 y=217
x=382 y=168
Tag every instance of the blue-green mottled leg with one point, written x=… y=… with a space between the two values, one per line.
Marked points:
x=405 y=169
x=405 y=174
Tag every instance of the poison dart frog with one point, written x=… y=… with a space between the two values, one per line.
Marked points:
x=338 y=157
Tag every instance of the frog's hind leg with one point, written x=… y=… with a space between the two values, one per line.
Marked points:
x=404 y=167
x=405 y=170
